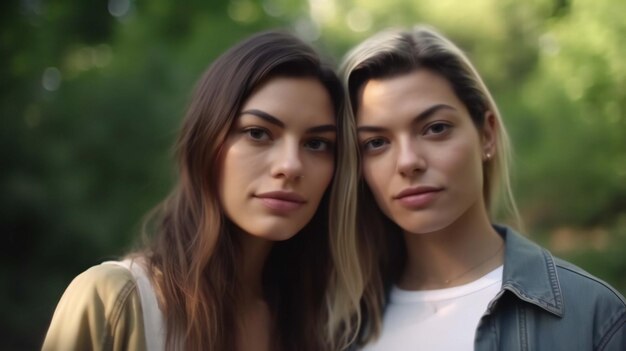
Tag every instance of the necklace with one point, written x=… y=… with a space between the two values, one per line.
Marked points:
x=479 y=264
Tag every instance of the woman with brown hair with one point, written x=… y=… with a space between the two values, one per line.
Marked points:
x=240 y=254
x=436 y=274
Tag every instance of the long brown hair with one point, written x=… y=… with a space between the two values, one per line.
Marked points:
x=193 y=253
x=381 y=249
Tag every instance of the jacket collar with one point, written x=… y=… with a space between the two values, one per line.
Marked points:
x=530 y=272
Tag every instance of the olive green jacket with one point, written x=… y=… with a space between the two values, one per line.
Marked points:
x=100 y=310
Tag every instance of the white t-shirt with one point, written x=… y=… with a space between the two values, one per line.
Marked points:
x=431 y=320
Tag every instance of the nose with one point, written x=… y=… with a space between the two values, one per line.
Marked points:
x=410 y=161
x=287 y=163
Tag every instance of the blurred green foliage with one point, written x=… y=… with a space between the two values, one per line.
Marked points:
x=92 y=94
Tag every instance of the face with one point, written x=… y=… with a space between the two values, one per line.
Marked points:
x=422 y=154
x=278 y=159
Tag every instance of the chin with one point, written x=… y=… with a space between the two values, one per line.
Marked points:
x=276 y=237
x=279 y=233
x=423 y=224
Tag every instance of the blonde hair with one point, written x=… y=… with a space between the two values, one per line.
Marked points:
x=380 y=253
x=346 y=282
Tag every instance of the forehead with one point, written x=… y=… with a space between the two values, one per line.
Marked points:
x=290 y=99
x=404 y=95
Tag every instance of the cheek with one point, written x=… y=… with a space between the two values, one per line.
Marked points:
x=228 y=173
x=238 y=167
x=377 y=173
x=320 y=174
x=464 y=162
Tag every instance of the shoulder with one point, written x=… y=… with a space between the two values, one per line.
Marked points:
x=106 y=279
x=106 y=286
x=581 y=301
x=541 y=273
x=589 y=297
x=100 y=308
x=572 y=277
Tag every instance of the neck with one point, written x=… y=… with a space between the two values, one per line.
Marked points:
x=254 y=253
x=456 y=255
x=255 y=319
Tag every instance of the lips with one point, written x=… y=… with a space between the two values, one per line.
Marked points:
x=281 y=201
x=417 y=197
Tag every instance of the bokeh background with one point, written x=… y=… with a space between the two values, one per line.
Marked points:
x=92 y=94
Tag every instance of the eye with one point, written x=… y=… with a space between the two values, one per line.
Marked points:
x=374 y=144
x=318 y=145
x=257 y=134
x=437 y=128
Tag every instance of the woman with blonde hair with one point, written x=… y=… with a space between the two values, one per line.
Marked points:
x=437 y=274
x=240 y=253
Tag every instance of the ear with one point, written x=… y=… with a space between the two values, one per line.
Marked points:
x=489 y=136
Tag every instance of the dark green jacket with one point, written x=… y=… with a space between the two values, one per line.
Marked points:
x=549 y=304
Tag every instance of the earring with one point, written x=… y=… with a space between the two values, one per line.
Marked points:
x=487 y=156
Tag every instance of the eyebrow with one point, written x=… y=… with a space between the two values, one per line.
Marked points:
x=265 y=116
x=325 y=128
x=420 y=117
